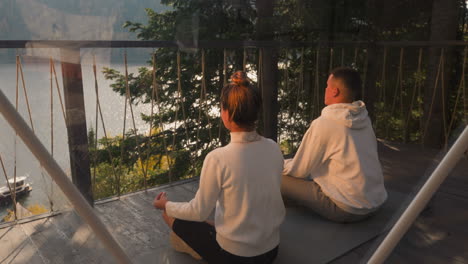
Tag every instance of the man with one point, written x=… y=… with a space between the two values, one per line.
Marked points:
x=336 y=171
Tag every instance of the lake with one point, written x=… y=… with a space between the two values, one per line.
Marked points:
x=37 y=79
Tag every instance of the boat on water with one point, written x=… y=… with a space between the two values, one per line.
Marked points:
x=22 y=188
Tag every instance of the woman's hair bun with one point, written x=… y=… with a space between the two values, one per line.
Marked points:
x=240 y=78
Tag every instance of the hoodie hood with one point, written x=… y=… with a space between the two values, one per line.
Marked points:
x=352 y=115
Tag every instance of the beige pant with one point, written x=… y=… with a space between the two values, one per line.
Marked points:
x=309 y=194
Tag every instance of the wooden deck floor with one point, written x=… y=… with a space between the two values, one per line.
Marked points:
x=440 y=235
x=64 y=238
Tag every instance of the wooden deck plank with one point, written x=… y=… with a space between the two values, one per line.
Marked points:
x=192 y=186
x=439 y=235
x=83 y=243
x=39 y=232
x=123 y=224
x=443 y=236
x=17 y=247
x=140 y=229
x=52 y=244
x=175 y=193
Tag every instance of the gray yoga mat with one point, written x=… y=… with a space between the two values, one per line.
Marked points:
x=308 y=238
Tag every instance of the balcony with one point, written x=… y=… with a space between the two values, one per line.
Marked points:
x=436 y=237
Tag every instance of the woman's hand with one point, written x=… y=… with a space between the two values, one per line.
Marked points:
x=160 y=201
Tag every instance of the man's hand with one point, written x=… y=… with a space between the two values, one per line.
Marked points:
x=160 y=201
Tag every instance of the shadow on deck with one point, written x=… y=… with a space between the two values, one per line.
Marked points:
x=438 y=236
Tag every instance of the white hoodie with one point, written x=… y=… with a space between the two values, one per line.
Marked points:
x=339 y=152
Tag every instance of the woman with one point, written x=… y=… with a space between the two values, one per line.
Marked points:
x=241 y=182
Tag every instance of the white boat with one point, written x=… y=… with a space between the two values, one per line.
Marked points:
x=21 y=187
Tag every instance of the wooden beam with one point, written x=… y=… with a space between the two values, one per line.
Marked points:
x=269 y=66
x=76 y=122
x=270 y=92
x=444 y=26
x=215 y=44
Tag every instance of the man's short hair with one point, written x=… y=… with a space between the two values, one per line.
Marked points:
x=351 y=80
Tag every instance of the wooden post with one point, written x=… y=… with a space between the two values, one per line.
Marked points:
x=270 y=92
x=269 y=77
x=76 y=121
x=444 y=25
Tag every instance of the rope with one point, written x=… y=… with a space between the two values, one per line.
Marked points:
x=18 y=60
x=286 y=92
x=320 y=96
x=244 y=61
x=364 y=79
x=16 y=133
x=204 y=97
x=16 y=101
x=123 y=134
x=54 y=75
x=400 y=73
x=384 y=65
x=316 y=86
x=420 y=105
x=220 y=124
x=444 y=121
x=128 y=95
x=96 y=123
x=181 y=101
x=51 y=123
x=58 y=91
x=301 y=83
x=174 y=134
x=355 y=56
x=201 y=97
x=301 y=80
x=154 y=94
x=465 y=97
x=330 y=66
x=225 y=78
x=98 y=105
x=260 y=71
x=151 y=122
x=153 y=72
x=433 y=96
x=415 y=89
x=20 y=68
x=180 y=95
x=397 y=87
x=202 y=104
x=462 y=84
x=381 y=96
x=342 y=56
x=51 y=110
x=13 y=197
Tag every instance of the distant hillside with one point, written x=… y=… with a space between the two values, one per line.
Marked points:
x=72 y=20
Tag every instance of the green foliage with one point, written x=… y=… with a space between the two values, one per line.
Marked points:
x=31 y=210
x=186 y=112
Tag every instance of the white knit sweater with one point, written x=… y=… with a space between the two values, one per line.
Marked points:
x=339 y=152
x=241 y=181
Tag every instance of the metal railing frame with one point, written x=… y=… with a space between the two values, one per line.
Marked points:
x=84 y=209
x=75 y=44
